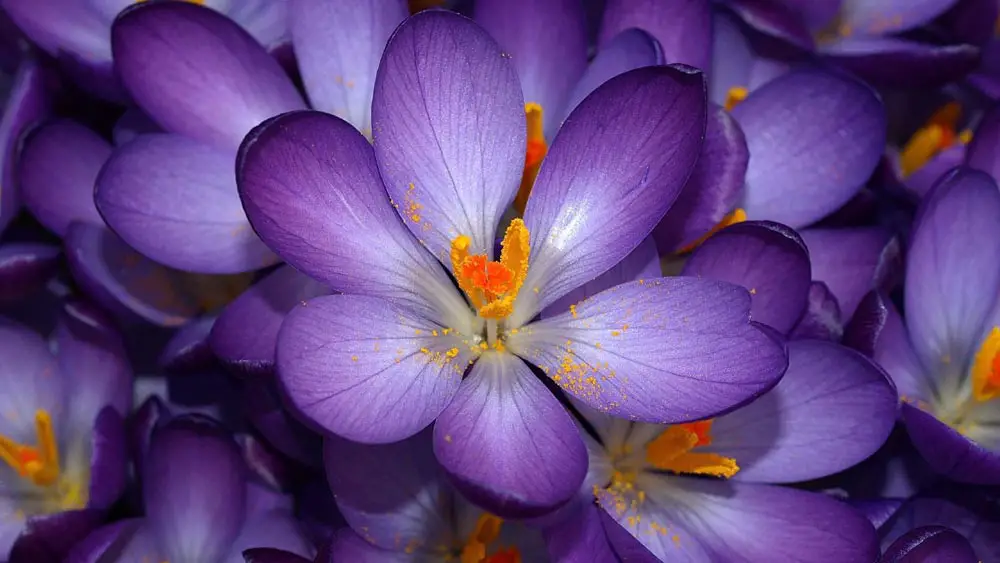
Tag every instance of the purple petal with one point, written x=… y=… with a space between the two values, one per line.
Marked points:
x=970 y=511
x=509 y=445
x=930 y=544
x=160 y=54
x=281 y=429
x=349 y=546
x=814 y=138
x=58 y=167
x=634 y=161
x=731 y=521
x=816 y=13
x=265 y=20
x=714 y=188
x=971 y=21
x=268 y=467
x=271 y=555
x=311 y=188
x=547 y=44
x=175 y=200
x=852 y=262
x=27 y=102
x=628 y=548
x=453 y=167
x=246 y=333
x=985 y=145
x=338 y=46
x=366 y=368
x=732 y=56
x=900 y=63
x=878 y=511
x=986 y=78
x=133 y=123
x=822 y=318
x=831 y=410
x=275 y=529
x=92 y=548
x=923 y=179
x=883 y=17
x=63 y=26
x=392 y=494
x=194 y=490
x=683 y=27
x=630 y=49
x=774 y=19
x=108 y=459
x=188 y=350
x=124 y=281
x=25 y=267
x=30 y=380
x=141 y=424
x=952 y=273
x=894 y=352
x=49 y=538
x=580 y=538
x=768 y=259
x=658 y=350
x=948 y=452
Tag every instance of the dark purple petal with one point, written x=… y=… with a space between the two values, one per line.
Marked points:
x=133 y=123
x=275 y=528
x=878 y=511
x=279 y=427
x=188 y=350
x=970 y=511
x=768 y=259
x=349 y=546
x=175 y=200
x=814 y=138
x=986 y=78
x=949 y=452
x=194 y=489
x=901 y=63
x=923 y=179
x=853 y=261
x=547 y=44
x=266 y=465
x=108 y=459
x=246 y=333
x=338 y=46
x=816 y=13
x=774 y=19
x=392 y=494
x=271 y=555
x=57 y=170
x=714 y=188
x=453 y=167
x=141 y=424
x=311 y=188
x=930 y=544
x=580 y=538
x=197 y=73
x=630 y=49
x=683 y=27
x=628 y=147
x=366 y=368
x=25 y=267
x=658 y=350
x=863 y=331
x=27 y=102
x=883 y=17
x=971 y=21
x=831 y=410
x=952 y=272
x=124 y=281
x=983 y=150
x=822 y=319
x=49 y=538
x=508 y=443
x=102 y=540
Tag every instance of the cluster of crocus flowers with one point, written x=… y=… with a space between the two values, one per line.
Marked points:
x=499 y=281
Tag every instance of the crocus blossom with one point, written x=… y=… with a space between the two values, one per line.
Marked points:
x=403 y=331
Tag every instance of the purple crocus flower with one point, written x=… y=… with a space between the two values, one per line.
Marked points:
x=197 y=504
x=945 y=356
x=387 y=358
x=62 y=199
x=400 y=507
x=62 y=448
x=76 y=33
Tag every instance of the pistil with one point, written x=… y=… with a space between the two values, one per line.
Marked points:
x=39 y=463
x=533 y=155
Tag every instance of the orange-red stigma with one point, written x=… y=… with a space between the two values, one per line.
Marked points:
x=492 y=286
x=481 y=540
x=39 y=463
x=938 y=134
x=534 y=153
x=673 y=451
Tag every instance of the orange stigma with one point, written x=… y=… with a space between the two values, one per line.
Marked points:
x=477 y=547
x=533 y=154
x=672 y=451
x=737 y=216
x=492 y=286
x=935 y=136
x=986 y=368
x=39 y=464
x=734 y=96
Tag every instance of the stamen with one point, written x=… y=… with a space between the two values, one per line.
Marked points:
x=986 y=368
x=39 y=464
x=492 y=286
x=672 y=451
x=737 y=216
x=935 y=136
x=734 y=96
x=534 y=153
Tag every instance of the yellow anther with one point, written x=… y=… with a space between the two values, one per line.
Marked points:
x=737 y=216
x=734 y=96
x=533 y=155
x=986 y=368
x=39 y=464
x=492 y=286
x=672 y=451
x=937 y=134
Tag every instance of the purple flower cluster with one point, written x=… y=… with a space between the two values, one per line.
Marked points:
x=500 y=281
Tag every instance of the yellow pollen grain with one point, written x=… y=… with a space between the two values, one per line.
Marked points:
x=734 y=96
x=354 y=358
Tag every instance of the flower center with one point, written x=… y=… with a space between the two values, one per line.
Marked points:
x=533 y=154
x=38 y=464
x=478 y=546
x=492 y=286
x=673 y=451
x=938 y=134
x=986 y=368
